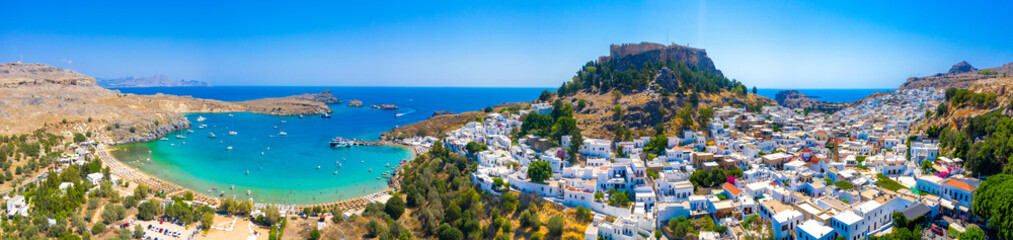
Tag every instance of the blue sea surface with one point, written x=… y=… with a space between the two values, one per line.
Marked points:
x=299 y=167
x=829 y=95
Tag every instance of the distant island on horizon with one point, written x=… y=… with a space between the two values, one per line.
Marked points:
x=157 y=80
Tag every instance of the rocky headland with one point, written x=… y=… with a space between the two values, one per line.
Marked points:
x=64 y=102
x=795 y=99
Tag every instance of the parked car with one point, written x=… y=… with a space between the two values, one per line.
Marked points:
x=937 y=230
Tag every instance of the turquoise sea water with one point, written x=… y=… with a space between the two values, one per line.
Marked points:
x=830 y=95
x=288 y=172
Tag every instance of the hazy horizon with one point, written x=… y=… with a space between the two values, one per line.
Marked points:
x=782 y=45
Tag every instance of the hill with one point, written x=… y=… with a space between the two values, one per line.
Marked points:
x=64 y=102
x=158 y=80
x=640 y=86
x=961 y=75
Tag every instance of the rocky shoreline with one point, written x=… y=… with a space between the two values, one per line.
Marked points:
x=64 y=102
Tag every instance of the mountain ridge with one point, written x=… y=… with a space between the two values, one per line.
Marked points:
x=157 y=80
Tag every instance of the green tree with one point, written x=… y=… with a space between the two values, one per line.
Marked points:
x=972 y=232
x=98 y=228
x=844 y=185
x=148 y=210
x=508 y=202
x=754 y=89
x=556 y=224
x=374 y=228
x=395 y=206
x=474 y=147
x=446 y=232
x=992 y=202
x=488 y=109
x=539 y=171
x=207 y=221
x=78 y=137
x=315 y=234
x=138 y=231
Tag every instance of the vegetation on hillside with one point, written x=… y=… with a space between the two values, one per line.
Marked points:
x=637 y=74
x=440 y=202
x=959 y=97
x=992 y=201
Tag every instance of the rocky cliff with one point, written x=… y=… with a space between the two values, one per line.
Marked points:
x=795 y=99
x=158 y=80
x=34 y=96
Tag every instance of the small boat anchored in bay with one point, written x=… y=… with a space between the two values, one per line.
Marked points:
x=338 y=142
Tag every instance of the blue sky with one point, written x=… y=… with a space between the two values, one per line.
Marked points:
x=770 y=44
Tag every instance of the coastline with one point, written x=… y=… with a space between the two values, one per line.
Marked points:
x=126 y=173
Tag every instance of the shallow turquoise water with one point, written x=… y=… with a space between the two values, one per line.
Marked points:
x=286 y=173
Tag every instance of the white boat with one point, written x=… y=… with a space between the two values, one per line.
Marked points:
x=318 y=166
x=335 y=172
x=212 y=135
x=300 y=116
x=164 y=139
x=189 y=131
x=370 y=169
x=282 y=133
x=261 y=153
x=247 y=192
x=201 y=118
x=180 y=136
x=275 y=126
x=233 y=133
x=234 y=186
x=230 y=114
x=202 y=126
x=339 y=165
x=283 y=121
x=228 y=148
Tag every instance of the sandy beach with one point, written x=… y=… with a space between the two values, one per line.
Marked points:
x=127 y=173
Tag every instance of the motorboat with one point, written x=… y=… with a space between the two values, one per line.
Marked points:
x=282 y=133
x=212 y=135
x=180 y=136
x=233 y=133
x=325 y=115
x=338 y=142
x=201 y=118
x=228 y=148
